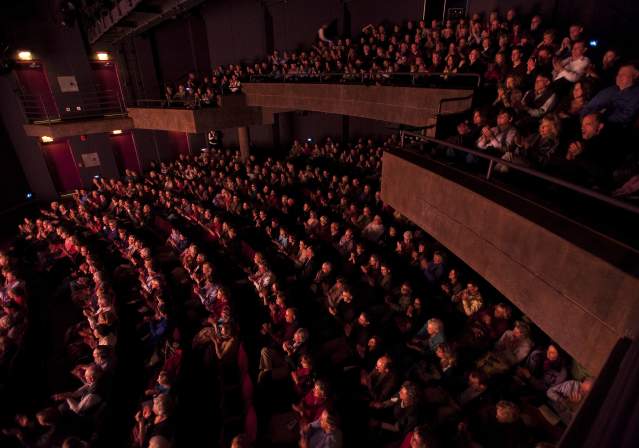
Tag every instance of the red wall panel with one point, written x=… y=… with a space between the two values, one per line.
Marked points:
x=125 y=153
x=62 y=166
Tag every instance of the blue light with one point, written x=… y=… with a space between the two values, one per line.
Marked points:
x=29 y=195
x=594 y=43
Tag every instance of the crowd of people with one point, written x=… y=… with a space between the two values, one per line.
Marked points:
x=357 y=328
x=544 y=101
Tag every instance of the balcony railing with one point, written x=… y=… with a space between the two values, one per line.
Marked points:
x=432 y=80
x=86 y=105
x=612 y=216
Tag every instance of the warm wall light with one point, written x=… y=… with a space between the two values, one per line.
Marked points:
x=102 y=56
x=24 y=55
x=46 y=139
x=116 y=131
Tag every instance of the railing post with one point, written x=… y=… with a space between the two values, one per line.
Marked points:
x=44 y=109
x=489 y=173
x=401 y=138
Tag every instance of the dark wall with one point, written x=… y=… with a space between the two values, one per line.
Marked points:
x=11 y=173
x=182 y=46
x=235 y=31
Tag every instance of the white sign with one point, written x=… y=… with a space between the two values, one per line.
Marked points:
x=68 y=84
x=90 y=159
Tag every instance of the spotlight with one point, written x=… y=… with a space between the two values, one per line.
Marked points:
x=25 y=55
x=593 y=43
x=116 y=131
x=97 y=176
x=102 y=56
x=29 y=195
x=46 y=139
x=309 y=139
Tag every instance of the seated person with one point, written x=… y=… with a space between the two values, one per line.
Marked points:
x=469 y=300
x=590 y=160
x=428 y=337
x=501 y=138
x=381 y=382
x=502 y=428
x=84 y=399
x=279 y=362
x=155 y=422
x=321 y=433
x=567 y=396
x=511 y=349
x=313 y=404
x=543 y=369
x=619 y=104
x=405 y=415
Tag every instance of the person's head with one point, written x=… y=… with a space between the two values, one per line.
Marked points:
x=240 y=441
x=91 y=374
x=476 y=379
x=305 y=361
x=320 y=389
x=586 y=386
x=542 y=81
x=591 y=126
x=162 y=405
x=300 y=336
x=507 y=412
x=549 y=126
x=363 y=319
x=515 y=56
x=609 y=58
x=74 y=442
x=408 y=393
x=327 y=267
x=552 y=353
x=46 y=417
x=578 y=49
x=290 y=315
x=574 y=32
x=383 y=364
x=434 y=326
x=328 y=422
x=421 y=438
x=502 y=311
x=504 y=118
x=521 y=330
x=626 y=76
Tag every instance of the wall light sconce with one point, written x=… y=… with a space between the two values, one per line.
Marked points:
x=25 y=55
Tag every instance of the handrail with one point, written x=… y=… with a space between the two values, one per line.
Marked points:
x=76 y=105
x=552 y=179
x=327 y=77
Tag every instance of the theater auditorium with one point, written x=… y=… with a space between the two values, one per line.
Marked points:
x=319 y=223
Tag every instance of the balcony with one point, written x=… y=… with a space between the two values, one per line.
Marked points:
x=576 y=280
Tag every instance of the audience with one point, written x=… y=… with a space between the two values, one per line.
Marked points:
x=359 y=324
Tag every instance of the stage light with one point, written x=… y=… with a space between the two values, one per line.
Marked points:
x=46 y=139
x=25 y=55
x=116 y=131
x=594 y=43
x=102 y=56
x=29 y=195
x=309 y=139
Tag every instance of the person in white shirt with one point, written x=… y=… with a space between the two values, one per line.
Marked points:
x=566 y=397
x=574 y=67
